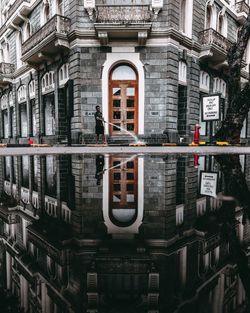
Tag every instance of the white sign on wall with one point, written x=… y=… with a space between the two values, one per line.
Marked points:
x=208 y=184
x=89 y=4
x=211 y=108
x=157 y=3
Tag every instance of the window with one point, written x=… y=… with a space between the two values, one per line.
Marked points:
x=19 y=62
x=60 y=8
x=222 y=23
x=183 y=16
x=210 y=20
x=182 y=73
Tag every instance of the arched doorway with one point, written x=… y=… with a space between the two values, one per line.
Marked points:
x=123 y=99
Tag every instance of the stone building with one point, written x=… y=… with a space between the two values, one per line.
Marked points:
x=127 y=236
x=145 y=62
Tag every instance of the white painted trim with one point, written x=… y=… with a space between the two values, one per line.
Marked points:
x=133 y=59
x=111 y=227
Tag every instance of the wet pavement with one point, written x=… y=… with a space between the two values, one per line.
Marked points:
x=119 y=229
x=94 y=149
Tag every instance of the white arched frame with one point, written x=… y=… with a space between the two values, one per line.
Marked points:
x=133 y=59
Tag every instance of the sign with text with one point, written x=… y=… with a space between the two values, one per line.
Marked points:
x=211 y=108
x=208 y=184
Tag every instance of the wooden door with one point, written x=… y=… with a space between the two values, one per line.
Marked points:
x=123 y=107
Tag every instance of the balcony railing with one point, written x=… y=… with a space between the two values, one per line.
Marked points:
x=123 y=14
x=212 y=37
x=242 y=7
x=56 y=25
x=6 y=68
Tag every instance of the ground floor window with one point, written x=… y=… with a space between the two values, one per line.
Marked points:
x=5 y=122
x=33 y=117
x=49 y=114
x=23 y=120
x=182 y=110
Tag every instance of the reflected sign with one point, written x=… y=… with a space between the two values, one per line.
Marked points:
x=208 y=184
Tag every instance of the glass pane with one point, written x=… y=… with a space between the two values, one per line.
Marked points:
x=116 y=163
x=130 y=164
x=117 y=176
x=130 y=176
x=130 y=91
x=116 y=91
x=117 y=187
x=116 y=103
x=115 y=128
x=130 y=187
x=130 y=198
x=116 y=115
x=123 y=72
x=130 y=126
x=130 y=103
x=130 y=115
x=116 y=198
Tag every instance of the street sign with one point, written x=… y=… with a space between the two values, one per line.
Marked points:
x=210 y=108
x=208 y=184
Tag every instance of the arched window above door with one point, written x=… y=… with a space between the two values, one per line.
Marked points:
x=123 y=72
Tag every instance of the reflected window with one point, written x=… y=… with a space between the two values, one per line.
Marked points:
x=25 y=171
x=50 y=172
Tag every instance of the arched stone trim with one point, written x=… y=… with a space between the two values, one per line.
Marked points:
x=4 y=102
x=32 y=89
x=48 y=82
x=133 y=228
x=63 y=74
x=222 y=23
x=182 y=73
x=46 y=11
x=210 y=21
x=130 y=58
x=204 y=81
x=21 y=94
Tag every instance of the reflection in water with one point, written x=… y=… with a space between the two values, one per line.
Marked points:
x=114 y=234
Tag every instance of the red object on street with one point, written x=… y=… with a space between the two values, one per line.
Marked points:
x=30 y=141
x=197 y=134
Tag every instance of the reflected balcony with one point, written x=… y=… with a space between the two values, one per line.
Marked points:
x=242 y=9
x=116 y=22
x=47 y=41
x=6 y=73
x=214 y=46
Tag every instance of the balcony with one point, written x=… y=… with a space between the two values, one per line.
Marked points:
x=242 y=9
x=6 y=72
x=115 y=22
x=214 y=47
x=47 y=41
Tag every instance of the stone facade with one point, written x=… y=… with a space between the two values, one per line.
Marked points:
x=38 y=42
